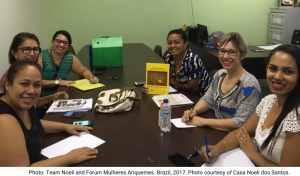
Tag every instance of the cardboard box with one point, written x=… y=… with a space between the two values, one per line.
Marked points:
x=107 y=51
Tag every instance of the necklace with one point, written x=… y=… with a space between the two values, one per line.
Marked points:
x=177 y=73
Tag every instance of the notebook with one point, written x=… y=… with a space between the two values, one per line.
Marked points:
x=85 y=84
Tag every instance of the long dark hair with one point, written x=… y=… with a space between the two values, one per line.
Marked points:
x=292 y=102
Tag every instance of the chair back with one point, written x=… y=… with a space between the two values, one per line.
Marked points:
x=212 y=73
x=71 y=49
x=158 y=51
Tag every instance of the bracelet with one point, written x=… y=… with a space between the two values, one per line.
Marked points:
x=225 y=144
x=194 y=110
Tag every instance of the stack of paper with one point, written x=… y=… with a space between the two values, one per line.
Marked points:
x=85 y=84
x=87 y=105
x=73 y=142
x=174 y=99
x=271 y=47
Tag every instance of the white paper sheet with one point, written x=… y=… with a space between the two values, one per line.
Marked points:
x=232 y=158
x=271 y=47
x=172 y=90
x=179 y=124
x=87 y=106
x=73 y=142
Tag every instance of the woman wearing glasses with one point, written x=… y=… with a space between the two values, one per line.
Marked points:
x=57 y=62
x=26 y=46
x=275 y=125
x=233 y=94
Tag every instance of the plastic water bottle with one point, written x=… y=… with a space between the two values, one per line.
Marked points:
x=159 y=115
x=165 y=116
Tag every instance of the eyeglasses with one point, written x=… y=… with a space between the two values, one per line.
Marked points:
x=61 y=41
x=27 y=50
x=229 y=52
x=56 y=75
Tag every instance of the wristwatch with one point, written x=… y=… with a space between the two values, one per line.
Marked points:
x=56 y=82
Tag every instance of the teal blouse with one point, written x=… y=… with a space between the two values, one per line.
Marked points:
x=49 y=69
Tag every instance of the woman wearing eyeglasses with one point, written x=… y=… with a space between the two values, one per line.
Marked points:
x=233 y=94
x=57 y=62
x=26 y=46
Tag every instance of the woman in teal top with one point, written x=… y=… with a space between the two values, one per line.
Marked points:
x=57 y=63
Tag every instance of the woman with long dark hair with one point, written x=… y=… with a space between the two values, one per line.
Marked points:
x=276 y=124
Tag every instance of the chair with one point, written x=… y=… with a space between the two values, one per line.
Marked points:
x=71 y=49
x=158 y=51
x=212 y=73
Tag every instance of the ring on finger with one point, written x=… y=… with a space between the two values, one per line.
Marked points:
x=241 y=138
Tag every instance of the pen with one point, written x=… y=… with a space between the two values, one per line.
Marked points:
x=190 y=119
x=206 y=144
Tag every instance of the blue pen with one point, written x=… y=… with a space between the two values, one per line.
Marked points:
x=206 y=144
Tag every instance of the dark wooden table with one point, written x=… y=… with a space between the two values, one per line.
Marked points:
x=254 y=62
x=133 y=138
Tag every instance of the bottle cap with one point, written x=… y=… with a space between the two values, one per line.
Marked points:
x=166 y=100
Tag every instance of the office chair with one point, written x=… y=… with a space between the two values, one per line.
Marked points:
x=71 y=49
x=212 y=73
x=158 y=51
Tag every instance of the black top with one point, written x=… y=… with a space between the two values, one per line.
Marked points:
x=34 y=137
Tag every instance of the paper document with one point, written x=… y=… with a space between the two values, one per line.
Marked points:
x=85 y=84
x=232 y=158
x=73 y=142
x=179 y=124
x=171 y=89
x=86 y=106
x=174 y=99
x=271 y=47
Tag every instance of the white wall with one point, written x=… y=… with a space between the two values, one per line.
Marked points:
x=19 y=16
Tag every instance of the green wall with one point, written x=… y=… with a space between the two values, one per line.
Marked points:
x=149 y=21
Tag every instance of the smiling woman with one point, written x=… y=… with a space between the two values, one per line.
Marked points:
x=271 y=137
x=233 y=93
x=57 y=62
x=186 y=68
x=26 y=46
x=23 y=133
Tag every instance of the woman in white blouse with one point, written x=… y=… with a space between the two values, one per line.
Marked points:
x=276 y=124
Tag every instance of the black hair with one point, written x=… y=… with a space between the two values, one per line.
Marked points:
x=18 y=66
x=65 y=33
x=180 y=32
x=17 y=41
x=292 y=102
